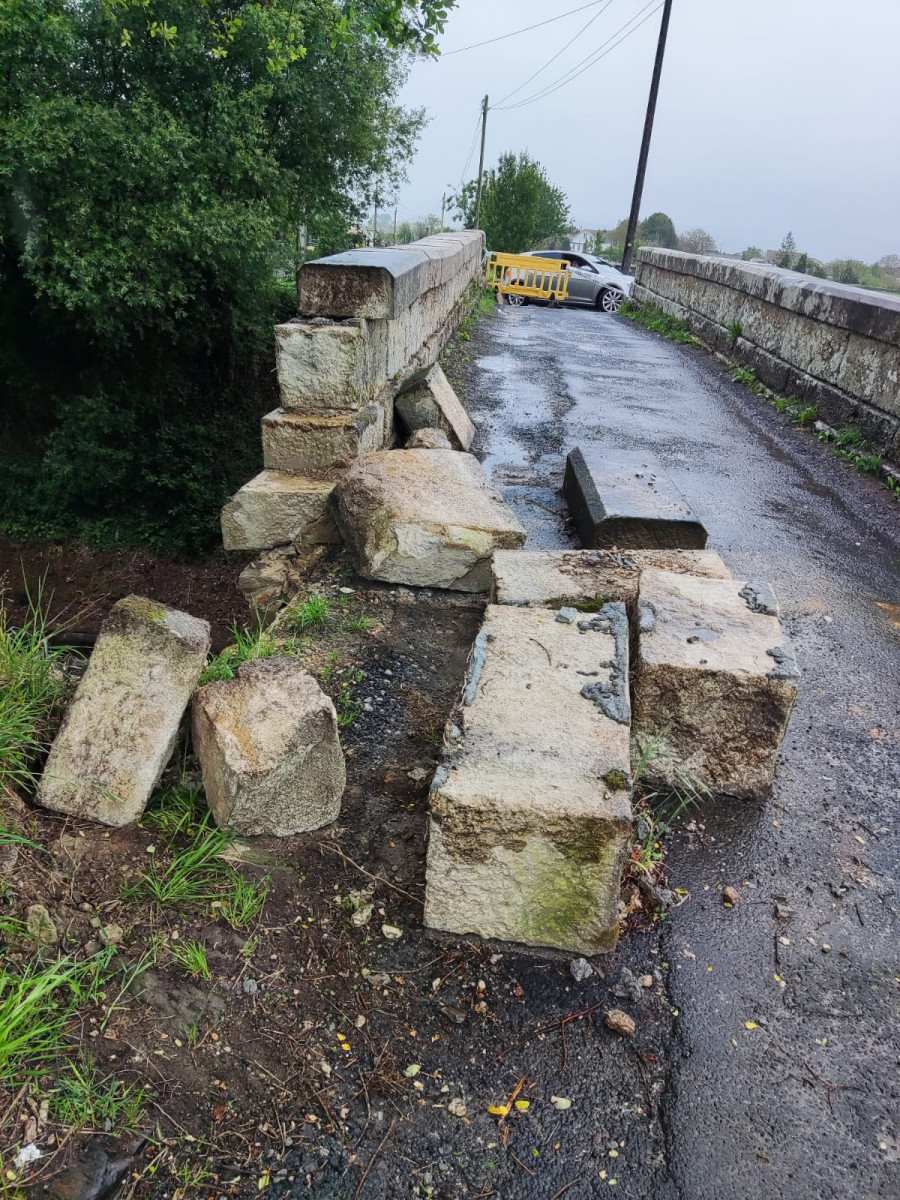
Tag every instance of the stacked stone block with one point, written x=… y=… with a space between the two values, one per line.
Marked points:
x=369 y=319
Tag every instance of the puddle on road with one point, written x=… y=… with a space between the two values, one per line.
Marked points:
x=504 y=364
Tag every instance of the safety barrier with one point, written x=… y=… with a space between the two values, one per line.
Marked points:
x=518 y=275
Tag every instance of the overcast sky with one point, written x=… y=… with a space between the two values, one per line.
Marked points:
x=772 y=115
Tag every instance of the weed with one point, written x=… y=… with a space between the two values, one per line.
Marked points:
x=795 y=410
x=190 y=1176
x=659 y=814
x=177 y=812
x=191 y=957
x=745 y=375
x=35 y=1011
x=244 y=902
x=33 y=695
x=735 y=329
x=260 y=642
x=249 y=947
x=311 y=614
x=348 y=708
x=194 y=875
x=328 y=670
x=360 y=624
x=655 y=319
x=83 y=1098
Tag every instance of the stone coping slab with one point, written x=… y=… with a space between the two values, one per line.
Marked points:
x=296 y=443
x=427 y=401
x=621 y=498
x=531 y=809
x=713 y=685
x=275 y=509
x=555 y=578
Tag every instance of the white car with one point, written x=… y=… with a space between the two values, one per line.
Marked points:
x=591 y=281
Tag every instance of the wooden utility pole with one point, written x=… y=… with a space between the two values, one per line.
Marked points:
x=645 y=140
x=375 y=220
x=395 y=224
x=443 y=208
x=484 y=113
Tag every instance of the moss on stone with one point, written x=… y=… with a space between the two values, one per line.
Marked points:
x=141 y=607
x=616 y=780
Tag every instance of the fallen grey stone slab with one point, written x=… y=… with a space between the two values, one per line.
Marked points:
x=531 y=808
x=714 y=685
x=622 y=498
x=121 y=726
x=268 y=746
x=427 y=401
x=560 y=578
x=429 y=518
x=429 y=439
x=275 y=509
x=297 y=443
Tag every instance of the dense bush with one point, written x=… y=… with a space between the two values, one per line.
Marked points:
x=156 y=160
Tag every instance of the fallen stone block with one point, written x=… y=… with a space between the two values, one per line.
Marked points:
x=427 y=401
x=121 y=726
x=714 y=683
x=429 y=439
x=268 y=746
x=295 y=443
x=589 y=578
x=622 y=498
x=275 y=509
x=531 y=809
x=429 y=518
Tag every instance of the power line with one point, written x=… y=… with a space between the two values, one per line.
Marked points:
x=594 y=57
x=540 y=70
x=516 y=32
x=462 y=173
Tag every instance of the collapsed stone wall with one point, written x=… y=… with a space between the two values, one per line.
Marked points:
x=831 y=345
x=367 y=320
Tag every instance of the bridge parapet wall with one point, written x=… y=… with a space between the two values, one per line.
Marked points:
x=367 y=319
x=829 y=344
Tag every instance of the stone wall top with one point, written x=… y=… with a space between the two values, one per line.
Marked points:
x=380 y=283
x=856 y=309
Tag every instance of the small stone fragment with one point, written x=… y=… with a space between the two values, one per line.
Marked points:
x=40 y=926
x=111 y=935
x=391 y=932
x=580 y=969
x=731 y=896
x=429 y=439
x=251 y=987
x=454 y=1014
x=560 y=1103
x=826 y=949
x=567 y=616
x=457 y=1107
x=646 y=981
x=620 y=1022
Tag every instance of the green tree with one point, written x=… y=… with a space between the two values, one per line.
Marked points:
x=787 y=250
x=658 y=230
x=802 y=263
x=519 y=205
x=848 y=270
x=751 y=252
x=156 y=160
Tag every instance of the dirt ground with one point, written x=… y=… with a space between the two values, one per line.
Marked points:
x=82 y=584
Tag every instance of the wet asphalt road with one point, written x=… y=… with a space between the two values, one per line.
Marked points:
x=807 y=1104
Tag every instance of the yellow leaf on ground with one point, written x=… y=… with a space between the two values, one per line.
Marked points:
x=750 y=1025
x=498 y=1110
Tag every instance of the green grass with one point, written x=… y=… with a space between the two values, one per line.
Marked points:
x=850 y=445
x=33 y=692
x=84 y=1098
x=746 y=376
x=659 y=811
x=735 y=329
x=655 y=319
x=249 y=643
x=177 y=811
x=193 y=877
x=36 y=1006
x=310 y=615
x=243 y=904
x=795 y=410
x=191 y=957
x=360 y=624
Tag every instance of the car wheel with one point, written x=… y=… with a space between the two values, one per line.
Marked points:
x=515 y=299
x=609 y=300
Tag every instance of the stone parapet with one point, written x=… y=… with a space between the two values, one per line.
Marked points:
x=829 y=344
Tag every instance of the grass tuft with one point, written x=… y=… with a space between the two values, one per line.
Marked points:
x=310 y=614
x=243 y=904
x=83 y=1098
x=191 y=957
x=177 y=812
x=193 y=877
x=261 y=642
x=33 y=692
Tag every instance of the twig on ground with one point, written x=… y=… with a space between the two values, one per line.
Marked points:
x=378 y=1150
x=368 y=874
